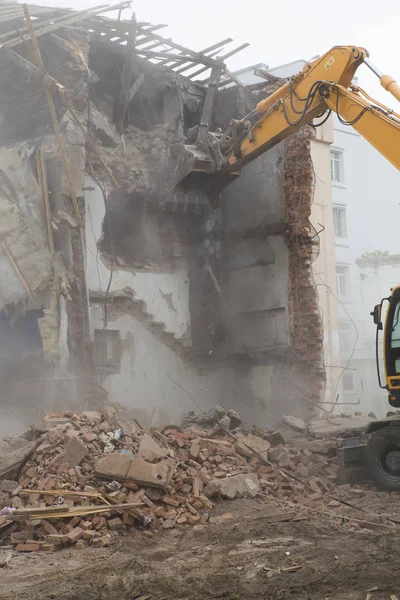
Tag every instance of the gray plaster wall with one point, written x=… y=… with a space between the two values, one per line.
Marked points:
x=255 y=199
x=256 y=260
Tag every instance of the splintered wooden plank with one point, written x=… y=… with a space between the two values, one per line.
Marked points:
x=209 y=52
x=222 y=59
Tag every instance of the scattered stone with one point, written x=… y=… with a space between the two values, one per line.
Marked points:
x=219 y=519
x=245 y=484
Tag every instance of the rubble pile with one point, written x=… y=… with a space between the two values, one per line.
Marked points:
x=86 y=463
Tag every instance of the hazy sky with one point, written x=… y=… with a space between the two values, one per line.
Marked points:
x=279 y=32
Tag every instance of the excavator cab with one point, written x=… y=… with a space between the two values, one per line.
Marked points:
x=382 y=451
x=391 y=345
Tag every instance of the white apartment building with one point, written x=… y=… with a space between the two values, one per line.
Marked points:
x=364 y=217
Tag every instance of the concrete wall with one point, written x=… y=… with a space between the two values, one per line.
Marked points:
x=154 y=372
x=321 y=213
x=256 y=258
x=165 y=295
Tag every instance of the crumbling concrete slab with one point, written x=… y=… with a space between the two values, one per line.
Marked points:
x=153 y=475
x=245 y=484
x=12 y=463
x=150 y=450
x=294 y=423
x=332 y=426
x=113 y=466
x=74 y=453
x=258 y=445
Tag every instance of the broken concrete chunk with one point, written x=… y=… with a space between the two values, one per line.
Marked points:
x=153 y=475
x=235 y=417
x=12 y=463
x=220 y=413
x=245 y=484
x=109 y=413
x=216 y=446
x=243 y=450
x=276 y=438
x=113 y=466
x=7 y=485
x=74 y=453
x=294 y=423
x=92 y=414
x=150 y=450
x=169 y=524
x=52 y=422
x=255 y=443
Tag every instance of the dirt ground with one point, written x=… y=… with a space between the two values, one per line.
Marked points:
x=244 y=557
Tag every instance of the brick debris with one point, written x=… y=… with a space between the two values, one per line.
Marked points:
x=87 y=462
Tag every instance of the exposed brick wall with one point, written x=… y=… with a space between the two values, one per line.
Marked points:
x=305 y=323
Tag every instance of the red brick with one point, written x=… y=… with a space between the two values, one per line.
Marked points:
x=49 y=528
x=75 y=535
x=48 y=547
x=28 y=547
x=170 y=501
x=115 y=524
x=89 y=535
x=127 y=519
x=192 y=519
x=58 y=539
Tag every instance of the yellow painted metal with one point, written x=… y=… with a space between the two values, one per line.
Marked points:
x=386 y=337
x=390 y=85
x=380 y=129
x=337 y=66
x=264 y=105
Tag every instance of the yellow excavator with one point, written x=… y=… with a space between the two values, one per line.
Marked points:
x=324 y=85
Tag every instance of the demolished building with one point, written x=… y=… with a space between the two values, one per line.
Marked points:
x=111 y=278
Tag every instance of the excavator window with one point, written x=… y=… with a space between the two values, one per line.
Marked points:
x=392 y=341
x=395 y=337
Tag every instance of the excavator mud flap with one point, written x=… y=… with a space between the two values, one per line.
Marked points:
x=193 y=168
x=352 y=461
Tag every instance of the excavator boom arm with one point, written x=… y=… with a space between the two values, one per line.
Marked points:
x=295 y=103
x=378 y=125
x=323 y=84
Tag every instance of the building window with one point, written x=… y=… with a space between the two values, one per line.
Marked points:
x=107 y=347
x=342 y=281
x=337 y=166
x=348 y=382
x=344 y=336
x=339 y=222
